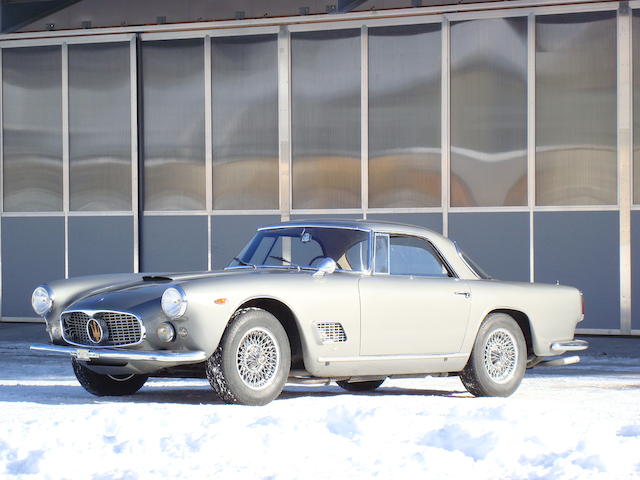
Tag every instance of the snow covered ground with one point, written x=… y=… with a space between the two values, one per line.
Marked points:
x=580 y=422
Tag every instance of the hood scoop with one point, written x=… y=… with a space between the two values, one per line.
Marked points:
x=156 y=278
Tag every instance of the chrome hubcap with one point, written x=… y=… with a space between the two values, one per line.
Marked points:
x=501 y=355
x=258 y=358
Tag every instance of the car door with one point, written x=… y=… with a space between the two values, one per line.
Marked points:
x=412 y=303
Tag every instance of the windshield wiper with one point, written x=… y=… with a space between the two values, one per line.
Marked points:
x=246 y=264
x=291 y=264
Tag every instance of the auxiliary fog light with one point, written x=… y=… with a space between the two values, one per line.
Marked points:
x=166 y=332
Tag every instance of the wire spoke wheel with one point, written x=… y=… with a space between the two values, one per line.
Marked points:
x=501 y=355
x=258 y=358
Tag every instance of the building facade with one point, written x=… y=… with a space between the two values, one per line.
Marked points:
x=508 y=126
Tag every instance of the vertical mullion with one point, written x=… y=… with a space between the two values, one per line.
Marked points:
x=364 y=120
x=1 y=174
x=135 y=160
x=531 y=136
x=284 y=121
x=625 y=151
x=65 y=153
x=445 y=125
x=208 y=140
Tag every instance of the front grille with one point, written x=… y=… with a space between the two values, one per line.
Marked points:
x=331 y=332
x=122 y=328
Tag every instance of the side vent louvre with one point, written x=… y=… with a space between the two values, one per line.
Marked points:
x=331 y=332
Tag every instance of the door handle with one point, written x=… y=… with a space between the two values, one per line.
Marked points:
x=466 y=294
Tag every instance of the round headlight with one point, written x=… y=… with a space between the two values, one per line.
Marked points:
x=166 y=332
x=174 y=302
x=42 y=300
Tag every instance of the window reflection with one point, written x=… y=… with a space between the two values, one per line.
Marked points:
x=404 y=116
x=576 y=132
x=489 y=112
x=173 y=97
x=32 y=129
x=326 y=119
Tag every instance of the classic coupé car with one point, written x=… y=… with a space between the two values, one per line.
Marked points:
x=311 y=302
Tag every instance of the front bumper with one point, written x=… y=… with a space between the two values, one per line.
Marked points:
x=87 y=354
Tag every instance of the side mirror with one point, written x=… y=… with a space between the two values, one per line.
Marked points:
x=326 y=265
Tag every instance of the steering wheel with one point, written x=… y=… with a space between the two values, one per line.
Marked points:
x=317 y=257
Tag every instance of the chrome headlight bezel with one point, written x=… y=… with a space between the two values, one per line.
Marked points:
x=174 y=302
x=42 y=300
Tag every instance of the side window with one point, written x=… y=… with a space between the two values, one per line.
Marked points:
x=414 y=256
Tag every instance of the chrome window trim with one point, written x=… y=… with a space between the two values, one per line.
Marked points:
x=451 y=271
x=90 y=313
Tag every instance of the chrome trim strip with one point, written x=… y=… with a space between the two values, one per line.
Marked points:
x=369 y=358
x=91 y=313
x=123 y=355
x=570 y=346
x=316 y=225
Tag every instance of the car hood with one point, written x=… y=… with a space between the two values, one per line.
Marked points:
x=141 y=293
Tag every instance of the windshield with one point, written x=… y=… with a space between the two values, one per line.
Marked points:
x=305 y=247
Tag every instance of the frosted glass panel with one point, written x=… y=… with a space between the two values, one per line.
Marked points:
x=326 y=119
x=32 y=129
x=576 y=109
x=173 y=96
x=489 y=112
x=404 y=116
x=245 y=122
x=99 y=127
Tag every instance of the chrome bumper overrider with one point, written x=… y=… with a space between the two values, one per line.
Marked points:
x=570 y=346
x=122 y=355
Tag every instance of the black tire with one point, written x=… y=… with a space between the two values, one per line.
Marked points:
x=107 y=385
x=243 y=372
x=367 y=386
x=500 y=339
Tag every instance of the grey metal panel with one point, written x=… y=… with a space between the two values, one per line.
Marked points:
x=174 y=243
x=582 y=249
x=230 y=233
x=100 y=245
x=635 y=270
x=498 y=242
x=432 y=221
x=32 y=253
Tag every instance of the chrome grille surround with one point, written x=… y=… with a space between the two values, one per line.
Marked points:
x=124 y=328
x=331 y=332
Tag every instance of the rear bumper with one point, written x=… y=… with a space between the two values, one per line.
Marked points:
x=86 y=354
x=569 y=346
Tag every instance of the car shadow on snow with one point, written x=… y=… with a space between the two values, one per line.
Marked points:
x=66 y=393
